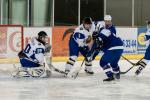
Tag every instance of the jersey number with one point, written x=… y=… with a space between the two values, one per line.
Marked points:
x=39 y=50
x=27 y=49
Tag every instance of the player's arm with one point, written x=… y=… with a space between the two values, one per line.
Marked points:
x=23 y=53
x=97 y=38
x=47 y=48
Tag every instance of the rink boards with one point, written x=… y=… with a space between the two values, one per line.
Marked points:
x=134 y=47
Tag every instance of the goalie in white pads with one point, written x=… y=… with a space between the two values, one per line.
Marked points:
x=32 y=58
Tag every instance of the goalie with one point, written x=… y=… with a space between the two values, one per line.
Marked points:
x=32 y=58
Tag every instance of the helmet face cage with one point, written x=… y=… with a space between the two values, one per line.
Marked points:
x=42 y=37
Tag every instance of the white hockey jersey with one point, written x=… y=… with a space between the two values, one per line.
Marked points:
x=81 y=34
x=35 y=50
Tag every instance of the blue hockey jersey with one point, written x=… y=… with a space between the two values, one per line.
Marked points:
x=110 y=41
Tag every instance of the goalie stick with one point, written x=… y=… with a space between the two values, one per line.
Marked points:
x=54 y=68
x=133 y=65
x=57 y=70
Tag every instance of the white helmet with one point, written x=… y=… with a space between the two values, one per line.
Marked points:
x=107 y=17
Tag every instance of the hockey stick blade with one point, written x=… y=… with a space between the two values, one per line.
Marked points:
x=75 y=74
x=134 y=64
x=57 y=70
x=127 y=70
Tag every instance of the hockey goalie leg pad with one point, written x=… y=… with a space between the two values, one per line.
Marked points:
x=20 y=72
x=36 y=72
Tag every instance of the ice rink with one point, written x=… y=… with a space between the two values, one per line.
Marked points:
x=84 y=87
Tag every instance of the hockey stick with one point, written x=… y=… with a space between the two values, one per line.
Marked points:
x=55 y=69
x=129 y=61
x=77 y=72
x=133 y=65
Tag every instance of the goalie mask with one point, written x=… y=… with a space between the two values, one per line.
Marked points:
x=87 y=23
x=42 y=37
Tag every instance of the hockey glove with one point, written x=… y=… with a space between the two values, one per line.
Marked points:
x=97 y=39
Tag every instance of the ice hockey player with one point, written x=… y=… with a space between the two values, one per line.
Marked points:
x=107 y=23
x=32 y=58
x=79 y=43
x=142 y=64
x=100 y=25
x=112 y=47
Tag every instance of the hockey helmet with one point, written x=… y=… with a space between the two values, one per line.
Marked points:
x=107 y=17
x=42 y=36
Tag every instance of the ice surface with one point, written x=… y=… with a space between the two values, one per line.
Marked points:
x=83 y=87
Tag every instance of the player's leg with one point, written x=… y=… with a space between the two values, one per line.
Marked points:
x=73 y=54
x=88 y=63
x=114 y=59
x=104 y=63
x=142 y=64
x=109 y=62
x=88 y=67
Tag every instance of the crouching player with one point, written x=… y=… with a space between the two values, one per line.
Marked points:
x=79 y=43
x=32 y=58
x=112 y=47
